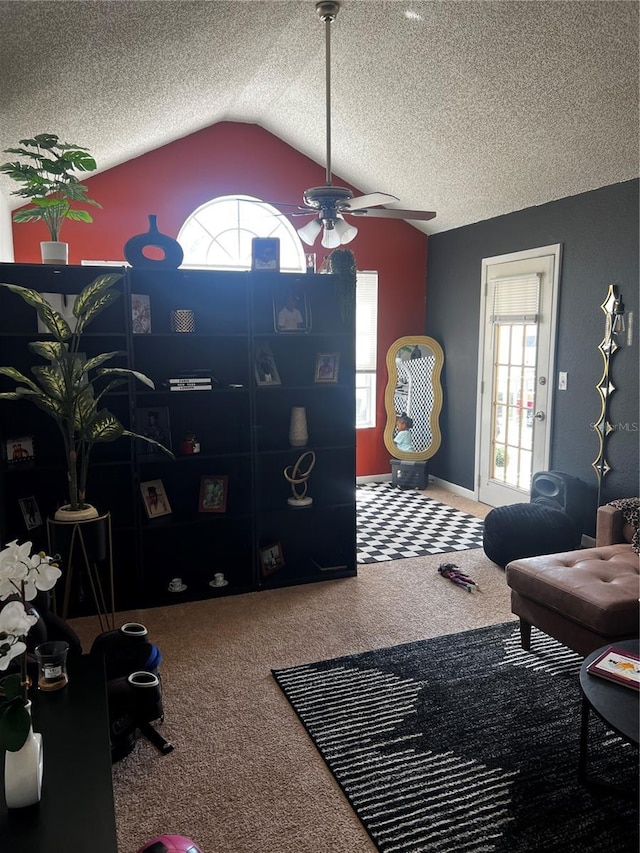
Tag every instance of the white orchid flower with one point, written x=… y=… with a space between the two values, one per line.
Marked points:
x=11 y=577
x=24 y=573
x=41 y=575
x=15 y=623
x=8 y=651
x=15 y=620
x=14 y=553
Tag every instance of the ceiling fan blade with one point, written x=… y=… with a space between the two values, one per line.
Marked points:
x=369 y=201
x=396 y=213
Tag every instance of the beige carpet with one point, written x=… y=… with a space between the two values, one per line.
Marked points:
x=244 y=776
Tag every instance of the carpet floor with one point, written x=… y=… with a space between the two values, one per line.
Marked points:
x=394 y=524
x=466 y=743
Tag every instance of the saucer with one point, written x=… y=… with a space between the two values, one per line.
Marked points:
x=216 y=585
x=180 y=588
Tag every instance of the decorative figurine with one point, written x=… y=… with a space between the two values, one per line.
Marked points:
x=298 y=480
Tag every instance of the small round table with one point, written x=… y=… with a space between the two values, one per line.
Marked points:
x=616 y=705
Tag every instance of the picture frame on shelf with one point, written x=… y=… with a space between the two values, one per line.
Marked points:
x=140 y=314
x=271 y=559
x=213 y=493
x=153 y=422
x=265 y=254
x=19 y=451
x=154 y=497
x=30 y=512
x=265 y=366
x=291 y=314
x=327 y=365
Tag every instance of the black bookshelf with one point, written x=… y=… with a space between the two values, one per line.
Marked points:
x=240 y=426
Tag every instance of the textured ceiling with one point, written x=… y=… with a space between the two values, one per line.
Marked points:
x=472 y=109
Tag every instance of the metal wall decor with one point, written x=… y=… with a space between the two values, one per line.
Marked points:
x=613 y=309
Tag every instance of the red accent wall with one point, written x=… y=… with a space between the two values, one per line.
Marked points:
x=229 y=158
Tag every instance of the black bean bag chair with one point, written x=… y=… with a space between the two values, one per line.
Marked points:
x=527 y=530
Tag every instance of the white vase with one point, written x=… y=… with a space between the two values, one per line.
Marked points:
x=54 y=252
x=23 y=772
x=298 y=435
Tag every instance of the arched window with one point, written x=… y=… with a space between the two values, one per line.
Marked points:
x=218 y=234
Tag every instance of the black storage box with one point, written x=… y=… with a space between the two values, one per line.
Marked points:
x=408 y=475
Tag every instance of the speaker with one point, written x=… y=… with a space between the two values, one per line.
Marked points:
x=557 y=490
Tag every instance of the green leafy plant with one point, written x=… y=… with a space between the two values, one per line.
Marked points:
x=45 y=172
x=70 y=389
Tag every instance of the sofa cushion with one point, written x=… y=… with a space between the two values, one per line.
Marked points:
x=595 y=587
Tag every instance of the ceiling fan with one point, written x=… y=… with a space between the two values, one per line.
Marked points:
x=329 y=204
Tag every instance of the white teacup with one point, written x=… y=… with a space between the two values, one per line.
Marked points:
x=218 y=579
x=175 y=585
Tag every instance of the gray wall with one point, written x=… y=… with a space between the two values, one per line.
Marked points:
x=598 y=231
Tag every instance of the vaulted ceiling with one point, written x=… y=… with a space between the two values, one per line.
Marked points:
x=472 y=109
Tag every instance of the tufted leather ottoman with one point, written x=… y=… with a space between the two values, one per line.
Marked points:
x=585 y=599
x=527 y=530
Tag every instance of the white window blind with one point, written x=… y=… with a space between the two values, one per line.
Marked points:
x=366 y=320
x=516 y=299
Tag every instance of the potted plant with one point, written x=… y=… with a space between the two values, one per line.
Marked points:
x=45 y=173
x=70 y=389
x=22 y=574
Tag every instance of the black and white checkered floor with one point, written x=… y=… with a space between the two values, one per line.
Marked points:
x=393 y=524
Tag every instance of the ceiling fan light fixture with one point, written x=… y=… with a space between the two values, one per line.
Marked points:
x=330 y=236
x=310 y=231
x=345 y=231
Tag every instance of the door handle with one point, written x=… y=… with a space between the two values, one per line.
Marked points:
x=539 y=416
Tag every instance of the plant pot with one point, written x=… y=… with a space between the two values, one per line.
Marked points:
x=94 y=532
x=54 y=252
x=23 y=772
x=73 y=516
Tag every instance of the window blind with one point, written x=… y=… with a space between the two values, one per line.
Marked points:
x=515 y=299
x=366 y=320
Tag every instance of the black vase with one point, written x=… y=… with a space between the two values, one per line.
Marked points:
x=173 y=254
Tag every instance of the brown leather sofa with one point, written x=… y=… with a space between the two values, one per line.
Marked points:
x=586 y=598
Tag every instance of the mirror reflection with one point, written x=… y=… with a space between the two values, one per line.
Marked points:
x=413 y=398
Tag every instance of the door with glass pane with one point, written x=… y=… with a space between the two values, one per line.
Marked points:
x=516 y=373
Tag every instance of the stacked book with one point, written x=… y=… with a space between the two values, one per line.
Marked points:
x=191 y=383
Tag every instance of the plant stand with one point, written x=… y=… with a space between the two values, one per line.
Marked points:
x=84 y=545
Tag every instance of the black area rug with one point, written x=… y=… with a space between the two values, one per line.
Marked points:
x=466 y=744
x=393 y=524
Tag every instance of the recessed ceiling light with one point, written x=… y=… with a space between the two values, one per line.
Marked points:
x=412 y=16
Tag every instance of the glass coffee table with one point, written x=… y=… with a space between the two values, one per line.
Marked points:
x=616 y=705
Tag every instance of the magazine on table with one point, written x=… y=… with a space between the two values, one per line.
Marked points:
x=619 y=666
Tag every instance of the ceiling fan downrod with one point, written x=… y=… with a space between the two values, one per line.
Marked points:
x=327 y=12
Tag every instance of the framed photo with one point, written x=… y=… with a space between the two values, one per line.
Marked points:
x=265 y=366
x=155 y=499
x=271 y=559
x=153 y=423
x=30 y=512
x=19 y=450
x=326 y=367
x=290 y=311
x=213 y=493
x=140 y=314
x=265 y=254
